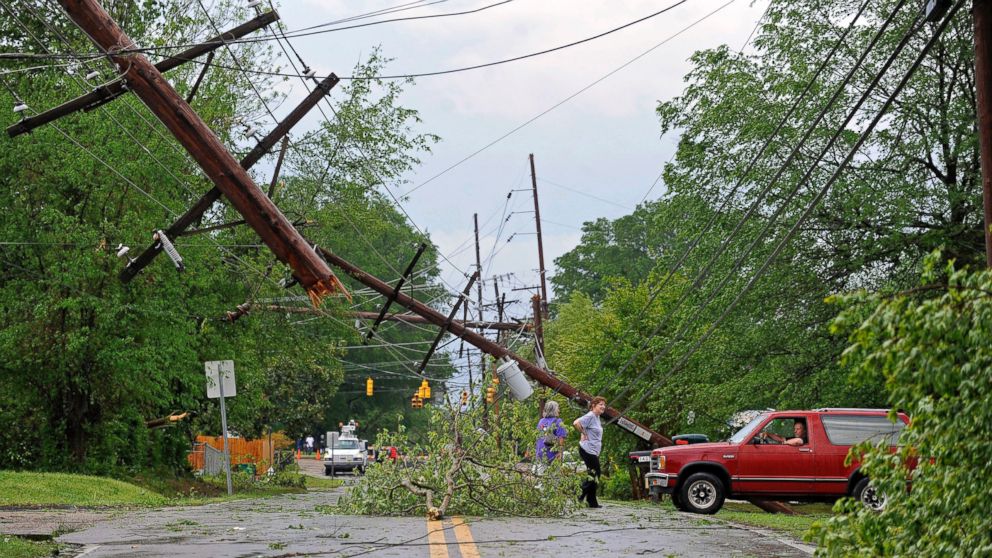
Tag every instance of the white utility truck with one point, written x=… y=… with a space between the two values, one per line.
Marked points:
x=345 y=452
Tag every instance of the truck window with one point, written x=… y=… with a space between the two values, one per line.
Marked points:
x=745 y=433
x=847 y=430
x=346 y=444
x=781 y=430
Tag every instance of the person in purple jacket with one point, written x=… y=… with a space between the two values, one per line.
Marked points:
x=551 y=435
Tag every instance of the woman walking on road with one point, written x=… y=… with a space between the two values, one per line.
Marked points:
x=590 y=444
x=551 y=435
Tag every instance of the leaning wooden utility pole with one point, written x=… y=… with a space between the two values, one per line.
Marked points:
x=478 y=286
x=982 y=12
x=533 y=371
x=206 y=149
x=540 y=241
x=539 y=347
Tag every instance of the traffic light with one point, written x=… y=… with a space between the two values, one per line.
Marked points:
x=368 y=387
x=464 y=397
x=425 y=390
x=490 y=394
x=416 y=402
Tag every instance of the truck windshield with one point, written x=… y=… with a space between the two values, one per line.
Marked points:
x=346 y=444
x=745 y=433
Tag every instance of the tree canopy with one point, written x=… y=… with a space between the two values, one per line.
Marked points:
x=86 y=360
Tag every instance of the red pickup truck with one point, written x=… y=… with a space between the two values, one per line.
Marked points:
x=794 y=455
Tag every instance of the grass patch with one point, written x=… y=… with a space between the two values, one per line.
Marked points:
x=60 y=489
x=29 y=489
x=16 y=547
x=314 y=483
x=793 y=525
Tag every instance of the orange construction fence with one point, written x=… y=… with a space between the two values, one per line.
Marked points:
x=256 y=452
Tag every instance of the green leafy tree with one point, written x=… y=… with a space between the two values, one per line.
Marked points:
x=914 y=187
x=86 y=361
x=930 y=347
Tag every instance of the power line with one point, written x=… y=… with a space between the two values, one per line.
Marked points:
x=586 y=194
x=303 y=32
x=441 y=72
x=568 y=98
x=660 y=286
x=823 y=191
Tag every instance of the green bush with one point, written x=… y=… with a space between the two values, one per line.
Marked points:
x=616 y=483
x=932 y=346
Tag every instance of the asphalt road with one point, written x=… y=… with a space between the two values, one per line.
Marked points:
x=307 y=525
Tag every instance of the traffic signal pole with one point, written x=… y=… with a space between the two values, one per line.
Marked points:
x=457 y=329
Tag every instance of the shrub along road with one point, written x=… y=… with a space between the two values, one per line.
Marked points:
x=307 y=525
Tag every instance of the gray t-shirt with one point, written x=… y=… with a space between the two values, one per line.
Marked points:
x=590 y=424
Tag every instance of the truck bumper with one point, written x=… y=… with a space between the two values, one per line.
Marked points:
x=660 y=482
x=343 y=466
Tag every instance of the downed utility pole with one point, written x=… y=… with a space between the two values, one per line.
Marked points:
x=498 y=351
x=106 y=93
x=472 y=324
x=243 y=309
x=206 y=149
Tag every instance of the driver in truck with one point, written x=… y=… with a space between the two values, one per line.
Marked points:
x=798 y=428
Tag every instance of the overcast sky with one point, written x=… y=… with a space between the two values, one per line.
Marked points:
x=597 y=155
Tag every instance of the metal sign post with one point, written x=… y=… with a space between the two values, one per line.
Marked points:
x=220 y=384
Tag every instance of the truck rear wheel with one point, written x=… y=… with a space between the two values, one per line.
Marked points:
x=702 y=493
x=869 y=496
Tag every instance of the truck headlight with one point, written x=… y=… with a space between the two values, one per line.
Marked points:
x=661 y=462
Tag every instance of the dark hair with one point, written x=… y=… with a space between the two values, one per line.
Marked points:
x=596 y=401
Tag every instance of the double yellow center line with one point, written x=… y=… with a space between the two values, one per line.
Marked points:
x=463 y=536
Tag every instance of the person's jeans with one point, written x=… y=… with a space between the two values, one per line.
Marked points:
x=591 y=484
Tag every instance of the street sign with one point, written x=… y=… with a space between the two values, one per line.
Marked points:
x=215 y=369
x=220 y=385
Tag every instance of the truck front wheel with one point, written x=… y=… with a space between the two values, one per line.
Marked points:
x=702 y=493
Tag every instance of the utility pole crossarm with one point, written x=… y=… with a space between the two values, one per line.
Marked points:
x=116 y=88
x=447 y=322
x=201 y=206
x=457 y=328
x=396 y=289
x=207 y=150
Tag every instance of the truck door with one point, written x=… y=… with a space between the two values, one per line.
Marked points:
x=769 y=464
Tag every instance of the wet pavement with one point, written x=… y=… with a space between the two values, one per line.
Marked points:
x=308 y=525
